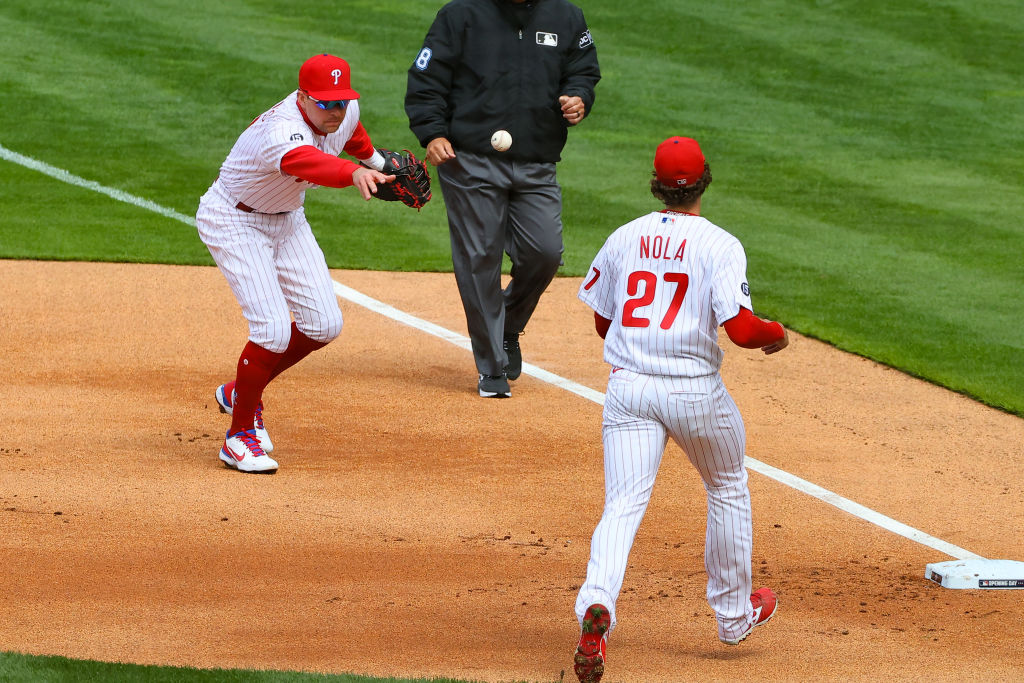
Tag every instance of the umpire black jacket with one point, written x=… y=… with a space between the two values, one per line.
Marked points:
x=489 y=65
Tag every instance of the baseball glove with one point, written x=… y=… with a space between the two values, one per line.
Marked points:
x=411 y=185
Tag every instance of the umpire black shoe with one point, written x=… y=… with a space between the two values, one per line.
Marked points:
x=515 y=355
x=494 y=386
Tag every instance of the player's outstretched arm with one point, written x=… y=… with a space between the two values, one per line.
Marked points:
x=366 y=180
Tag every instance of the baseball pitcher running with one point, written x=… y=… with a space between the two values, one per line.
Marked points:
x=660 y=287
x=253 y=223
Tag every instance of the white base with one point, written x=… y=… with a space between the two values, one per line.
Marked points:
x=976 y=573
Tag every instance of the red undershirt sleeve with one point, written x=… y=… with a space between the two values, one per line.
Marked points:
x=750 y=332
x=312 y=165
x=359 y=145
x=746 y=329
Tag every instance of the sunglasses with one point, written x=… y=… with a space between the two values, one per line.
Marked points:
x=327 y=104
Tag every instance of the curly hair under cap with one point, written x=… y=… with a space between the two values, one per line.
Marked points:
x=681 y=196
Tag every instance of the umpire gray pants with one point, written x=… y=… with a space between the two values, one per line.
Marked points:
x=497 y=206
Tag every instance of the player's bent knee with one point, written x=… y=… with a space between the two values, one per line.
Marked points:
x=273 y=335
x=325 y=336
x=328 y=327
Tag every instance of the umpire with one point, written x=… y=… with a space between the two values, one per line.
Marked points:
x=528 y=67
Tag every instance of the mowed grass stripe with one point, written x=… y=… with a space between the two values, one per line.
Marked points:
x=862 y=151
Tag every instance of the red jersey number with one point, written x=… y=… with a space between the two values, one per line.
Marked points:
x=638 y=300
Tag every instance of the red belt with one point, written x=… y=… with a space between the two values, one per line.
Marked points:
x=248 y=209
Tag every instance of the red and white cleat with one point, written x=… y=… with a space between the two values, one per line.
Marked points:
x=242 y=451
x=765 y=604
x=588 y=661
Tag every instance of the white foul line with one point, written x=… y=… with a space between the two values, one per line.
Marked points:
x=858 y=510
x=855 y=509
x=119 y=195
x=462 y=342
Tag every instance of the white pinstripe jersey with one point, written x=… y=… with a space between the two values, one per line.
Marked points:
x=667 y=281
x=252 y=172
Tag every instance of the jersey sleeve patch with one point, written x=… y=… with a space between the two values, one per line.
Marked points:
x=423 y=59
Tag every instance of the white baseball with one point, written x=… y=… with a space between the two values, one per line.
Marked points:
x=501 y=140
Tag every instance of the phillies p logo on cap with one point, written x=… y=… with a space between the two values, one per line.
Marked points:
x=326 y=77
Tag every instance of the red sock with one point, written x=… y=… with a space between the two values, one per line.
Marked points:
x=299 y=346
x=255 y=366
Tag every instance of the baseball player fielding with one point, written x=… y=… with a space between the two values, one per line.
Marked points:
x=252 y=221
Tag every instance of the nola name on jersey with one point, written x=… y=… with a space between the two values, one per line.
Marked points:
x=661 y=247
x=668 y=237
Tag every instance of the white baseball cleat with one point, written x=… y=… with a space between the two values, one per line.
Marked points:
x=226 y=397
x=242 y=451
x=226 y=400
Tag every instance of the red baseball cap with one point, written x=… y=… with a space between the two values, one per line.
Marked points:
x=678 y=162
x=326 y=77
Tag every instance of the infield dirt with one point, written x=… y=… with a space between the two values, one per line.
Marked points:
x=415 y=529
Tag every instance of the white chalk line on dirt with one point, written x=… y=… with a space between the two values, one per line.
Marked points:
x=781 y=476
x=349 y=294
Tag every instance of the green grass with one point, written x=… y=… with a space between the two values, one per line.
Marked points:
x=19 y=667
x=866 y=153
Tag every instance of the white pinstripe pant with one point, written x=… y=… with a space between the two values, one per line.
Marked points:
x=275 y=269
x=640 y=412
